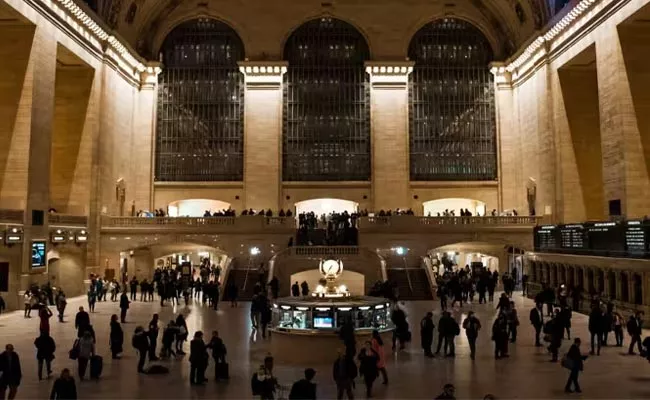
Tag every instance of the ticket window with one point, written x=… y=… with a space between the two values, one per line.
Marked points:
x=343 y=314
x=364 y=317
x=285 y=317
x=302 y=318
x=380 y=316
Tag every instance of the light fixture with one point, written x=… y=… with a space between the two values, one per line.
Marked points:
x=254 y=251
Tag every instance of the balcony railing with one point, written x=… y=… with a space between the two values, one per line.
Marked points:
x=68 y=220
x=11 y=216
x=242 y=223
x=260 y=223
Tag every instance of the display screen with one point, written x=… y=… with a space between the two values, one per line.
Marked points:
x=572 y=237
x=323 y=322
x=635 y=237
x=546 y=237
x=606 y=236
x=38 y=253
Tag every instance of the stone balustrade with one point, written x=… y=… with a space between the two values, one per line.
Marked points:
x=261 y=223
x=11 y=216
x=324 y=250
x=68 y=220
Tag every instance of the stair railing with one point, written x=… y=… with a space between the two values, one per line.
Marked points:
x=408 y=274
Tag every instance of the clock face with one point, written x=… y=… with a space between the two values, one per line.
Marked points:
x=331 y=267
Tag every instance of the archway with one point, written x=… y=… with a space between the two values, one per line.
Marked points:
x=492 y=256
x=326 y=206
x=438 y=207
x=195 y=207
x=354 y=281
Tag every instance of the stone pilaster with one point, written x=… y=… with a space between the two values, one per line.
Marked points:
x=145 y=136
x=511 y=193
x=625 y=175
x=43 y=63
x=390 y=135
x=263 y=133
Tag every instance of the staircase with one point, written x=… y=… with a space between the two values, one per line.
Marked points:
x=244 y=277
x=412 y=283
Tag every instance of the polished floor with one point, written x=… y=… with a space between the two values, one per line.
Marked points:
x=526 y=374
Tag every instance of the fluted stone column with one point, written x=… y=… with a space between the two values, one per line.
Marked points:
x=390 y=137
x=263 y=133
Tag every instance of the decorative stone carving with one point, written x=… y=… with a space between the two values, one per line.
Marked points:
x=531 y=195
x=120 y=195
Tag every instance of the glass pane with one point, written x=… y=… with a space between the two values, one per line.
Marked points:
x=326 y=119
x=452 y=116
x=200 y=130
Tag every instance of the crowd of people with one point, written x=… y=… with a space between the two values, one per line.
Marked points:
x=552 y=325
x=334 y=229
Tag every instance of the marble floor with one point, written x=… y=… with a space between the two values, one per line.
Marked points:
x=526 y=374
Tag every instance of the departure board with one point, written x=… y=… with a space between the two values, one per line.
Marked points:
x=546 y=237
x=635 y=237
x=605 y=236
x=572 y=237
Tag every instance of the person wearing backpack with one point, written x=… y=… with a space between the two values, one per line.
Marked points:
x=472 y=325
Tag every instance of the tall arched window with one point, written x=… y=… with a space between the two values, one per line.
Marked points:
x=200 y=131
x=452 y=115
x=326 y=119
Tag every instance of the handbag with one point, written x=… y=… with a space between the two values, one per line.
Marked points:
x=567 y=363
x=74 y=351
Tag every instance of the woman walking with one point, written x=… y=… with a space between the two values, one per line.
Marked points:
x=44 y=314
x=368 y=360
x=181 y=336
x=378 y=347
x=116 y=339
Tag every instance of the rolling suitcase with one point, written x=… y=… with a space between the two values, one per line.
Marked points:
x=221 y=371
x=96 y=366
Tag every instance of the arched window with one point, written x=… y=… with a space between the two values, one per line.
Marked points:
x=452 y=116
x=326 y=119
x=200 y=130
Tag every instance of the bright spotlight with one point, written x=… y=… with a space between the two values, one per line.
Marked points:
x=400 y=251
x=254 y=251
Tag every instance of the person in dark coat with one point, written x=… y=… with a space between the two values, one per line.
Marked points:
x=304 y=389
x=368 y=359
x=401 y=331
x=182 y=334
x=140 y=342
x=11 y=374
x=426 y=333
x=595 y=328
x=198 y=359
x=134 y=288
x=233 y=292
x=556 y=332
x=344 y=371
x=64 y=387
x=295 y=289
x=472 y=326
x=304 y=288
x=537 y=320
x=45 y=348
x=116 y=339
x=500 y=336
x=576 y=362
x=447 y=330
x=124 y=305
x=346 y=334
x=81 y=322
x=634 y=327
x=153 y=337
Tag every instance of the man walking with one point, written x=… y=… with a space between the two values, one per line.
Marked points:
x=471 y=325
x=537 y=320
x=634 y=326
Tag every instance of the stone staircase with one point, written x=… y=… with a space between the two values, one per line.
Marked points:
x=418 y=288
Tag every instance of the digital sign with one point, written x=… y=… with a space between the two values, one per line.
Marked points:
x=572 y=237
x=38 y=253
x=635 y=237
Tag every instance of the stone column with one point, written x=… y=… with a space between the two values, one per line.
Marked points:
x=390 y=134
x=606 y=283
x=263 y=133
x=43 y=70
x=625 y=174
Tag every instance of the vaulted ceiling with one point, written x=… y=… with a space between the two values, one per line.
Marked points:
x=263 y=24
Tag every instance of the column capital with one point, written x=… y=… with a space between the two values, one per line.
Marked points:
x=263 y=74
x=149 y=76
x=502 y=77
x=389 y=73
